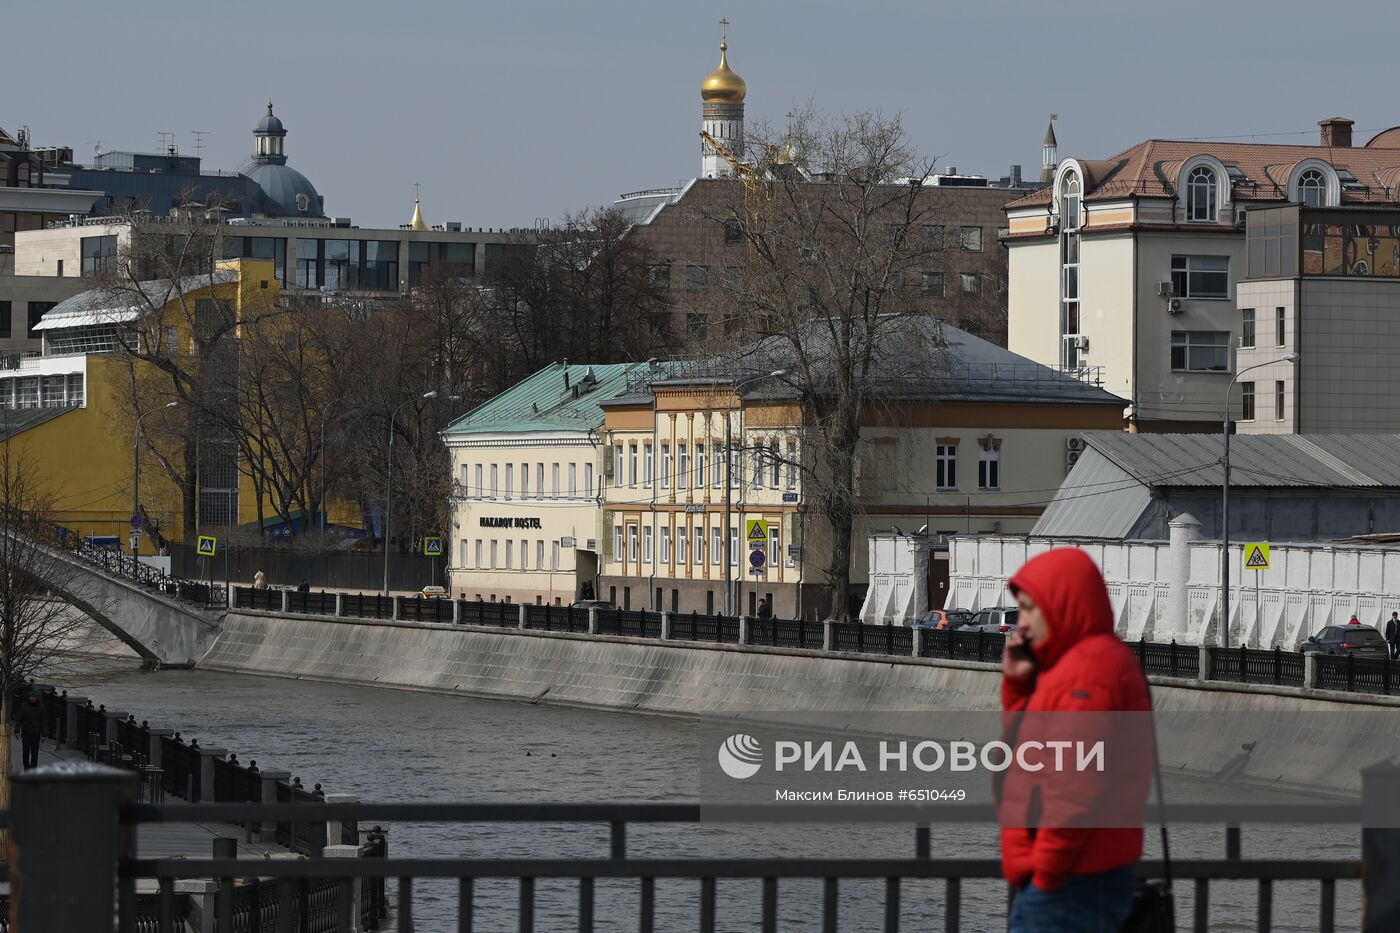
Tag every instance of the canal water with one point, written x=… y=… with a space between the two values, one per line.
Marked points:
x=388 y=745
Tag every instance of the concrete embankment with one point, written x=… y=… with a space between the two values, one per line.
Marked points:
x=1276 y=736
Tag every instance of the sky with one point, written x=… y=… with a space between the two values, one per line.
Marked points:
x=515 y=111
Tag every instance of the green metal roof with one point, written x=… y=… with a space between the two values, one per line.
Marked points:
x=543 y=403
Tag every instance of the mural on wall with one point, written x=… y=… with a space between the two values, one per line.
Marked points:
x=1371 y=250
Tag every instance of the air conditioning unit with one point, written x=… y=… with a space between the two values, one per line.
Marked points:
x=1071 y=458
x=1077 y=341
x=1165 y=290
x=1174 y=306
x=1074 y=444
x=608 y=467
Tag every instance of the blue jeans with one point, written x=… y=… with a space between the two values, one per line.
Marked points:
x=1083 y=904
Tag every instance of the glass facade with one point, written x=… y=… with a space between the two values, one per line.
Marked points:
x=98 y=253
x=355 y=265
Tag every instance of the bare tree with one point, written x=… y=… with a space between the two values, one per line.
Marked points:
x=840 y=237
x=36 y=627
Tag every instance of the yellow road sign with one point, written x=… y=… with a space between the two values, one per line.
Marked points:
x=432 y=546
x=1256 y=556
x=756 y=529
x=206 y=546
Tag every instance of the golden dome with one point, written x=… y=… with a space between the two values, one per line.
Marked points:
x=723 y=84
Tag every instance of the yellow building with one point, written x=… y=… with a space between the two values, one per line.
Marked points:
x=68 y=411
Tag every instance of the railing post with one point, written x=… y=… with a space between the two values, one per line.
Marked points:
x=666 y=625
x=71 y=705
x=207 y=794
x=154 y=751
x=68 y=841
x=1310 y=669
x=593 y=620
x=827 y=634
x=395 y=608
x=524 y=617
x=339 y=605
x=916 y=638
x=337 y=830
x=456 y=611
x=1203 y=669
x=1380 y=846
x=114 y=718
x=268 y=830
x=356 y=905
x=745 y=630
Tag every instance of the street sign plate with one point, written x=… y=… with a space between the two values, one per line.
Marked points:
x=757 y=571
x=566 y=541
x=432 y=546
x=1256 y=555
x=756 y=529
x=789 y=497
x=757 y=559
x=695 y=509
x=206 y=546
x=136 y=520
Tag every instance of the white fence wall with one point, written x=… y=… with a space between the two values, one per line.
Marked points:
x=1306 y=587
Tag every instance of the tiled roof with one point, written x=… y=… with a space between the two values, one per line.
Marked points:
x=1150 y=168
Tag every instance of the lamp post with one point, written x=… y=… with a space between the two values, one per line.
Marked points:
x=136 y=465
x=730 y=558
x=325 y=408
x=389 y=479
x=1225 y=500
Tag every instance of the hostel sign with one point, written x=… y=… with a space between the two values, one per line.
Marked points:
x=505 y=521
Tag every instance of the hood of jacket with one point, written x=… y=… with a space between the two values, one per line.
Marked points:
x=1069 y=590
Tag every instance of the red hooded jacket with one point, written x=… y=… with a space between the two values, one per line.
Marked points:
x=1082 y=666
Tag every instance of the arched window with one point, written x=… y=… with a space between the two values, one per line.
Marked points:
x=1312 y=188
x=1069 y=201
x=1200 y=194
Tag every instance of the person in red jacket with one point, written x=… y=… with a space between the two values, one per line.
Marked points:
x=1065 y=658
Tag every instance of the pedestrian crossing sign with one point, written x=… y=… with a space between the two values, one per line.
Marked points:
x=756 y=529
x=432 y=546
x=1256 y=556
x=206 y=546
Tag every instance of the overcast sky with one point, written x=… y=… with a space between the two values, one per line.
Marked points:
x=514 y=110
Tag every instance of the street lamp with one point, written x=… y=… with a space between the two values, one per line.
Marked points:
x=731 y=559
x=389 y=479
x=1225 y=500
x=136 y=465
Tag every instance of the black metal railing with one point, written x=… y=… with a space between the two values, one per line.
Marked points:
x=786 y=633
x=1357 y=675
x=127 y=566
x=872 y=639
x=636 y=623
x=546 y=618
x=962 y=646
x=316 y=604
x=366 y=606
x=424 y=609
x=499 y=615
x=1169 y=660
x=695 y=627
x=1256 y=666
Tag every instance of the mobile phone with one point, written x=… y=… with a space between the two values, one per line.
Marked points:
x=1024 y=652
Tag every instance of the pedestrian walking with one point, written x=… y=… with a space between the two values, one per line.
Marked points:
x=304 y=587
x=765 y=607
x=1064 y=657
x=31 y=730
x=1392 y=635
x=259 y=581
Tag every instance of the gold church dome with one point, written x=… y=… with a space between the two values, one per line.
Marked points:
x=723 y=84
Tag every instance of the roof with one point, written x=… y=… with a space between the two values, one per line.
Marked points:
x=113 y=305
x=1150 y=168
x=923 y=358
x=282 y=183
x=18 y=420
x=542 y=403
x=1266 y=460
x=269 y=125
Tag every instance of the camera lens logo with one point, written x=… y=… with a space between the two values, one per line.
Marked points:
x=740 y=756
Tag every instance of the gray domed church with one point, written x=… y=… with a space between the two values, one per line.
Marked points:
x=286 y=192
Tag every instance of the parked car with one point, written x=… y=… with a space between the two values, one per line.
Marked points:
x=944 y=619
x=1363 y=641
x=433 y=592
x=592 y=604
x=1001 y=620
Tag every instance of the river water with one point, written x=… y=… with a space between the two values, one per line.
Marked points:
x=390 y=745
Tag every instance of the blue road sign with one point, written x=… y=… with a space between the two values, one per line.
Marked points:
x=758 y=559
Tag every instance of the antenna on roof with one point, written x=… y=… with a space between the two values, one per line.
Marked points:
x=167 y=142
x=198 y=141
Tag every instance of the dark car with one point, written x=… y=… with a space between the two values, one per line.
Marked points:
x=944 y=619
x=592 y=604
x=1001 y=620
x=1363 y=641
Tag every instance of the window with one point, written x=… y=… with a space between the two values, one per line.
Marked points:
x=775 y=544
x=588 y=480
x=791 y=464
x=989 y=467
x=1247 y=327
x=478 y=562
x=539 y=480
x=1279 y=331
x=775 y=464
x=665 y=545
x=717 y=474
x=716 y=545
x=933 y=236
x=494 y=545
x=37 y=310
x=734 y=547
x=1312 y=188
x=682 y=544
x=699 y=545
x=1200 y=194
x=758 y=466
x=970 y=239
x=631 y=464
x=573 y=480
x=632 y=542
x=99 y=252
x=553 y=555
x=5 y=311
x=661 y=277
x=1200 y=351
x=554 y=480
x=510 y=554
x=495 y=488
x=647 y=551
x=682 y=467
x=946 y=466
x=1278 y=400
x=733 y=232
x=466 y=550
x=971 y=283
x=735 y=466
x=1201 y=276
x=650 y=465
x=665 y=464
x=933 y=284
x=617 y=464
x=697 y=278
x=525 y=557
x=524 y=480
x=539 y=555
x=617 y=542
x=699 y=465
x=1246 y=401
x=510 y=478
x=1069 y=202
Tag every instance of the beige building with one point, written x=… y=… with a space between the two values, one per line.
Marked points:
x=1125 y=270
x=1323 y=283
x=527 y=468
x=693 y=463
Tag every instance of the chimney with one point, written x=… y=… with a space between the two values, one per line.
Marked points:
x=1336 y=131
x=1015 y=176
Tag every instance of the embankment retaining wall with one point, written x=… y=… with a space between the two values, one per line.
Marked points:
x=1300 y=738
